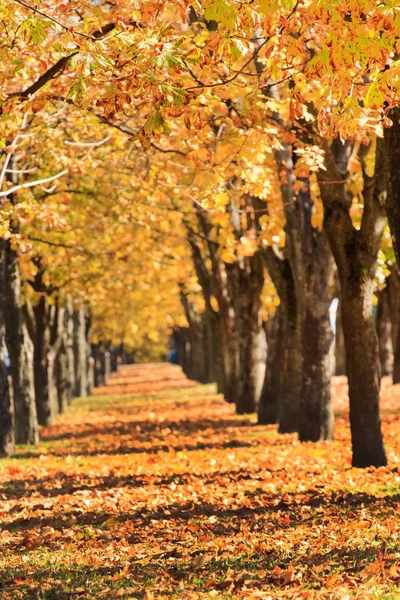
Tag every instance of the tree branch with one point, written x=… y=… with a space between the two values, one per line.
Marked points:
x=45 y=78
x=30 y=184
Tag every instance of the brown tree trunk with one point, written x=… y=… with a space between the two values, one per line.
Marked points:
x=306 y=252
x=62 y=380
x=218 y=283
x=288 y=403
x=197 y=361
x=392 y=136
x=56 y=335
x=396 y=360
x=213 y=357
x=340 y=354
x=355 y=253
x=289 y=406
x=230 y=353
x=248 y=280
x=317 y=420
x=384 y=331
x=316 y=411
x=69 y=348
x=271 y=394
x=107 y=365
x=21 y=355
x=40 y=361
x=7 y=433
x=181 y=345
x=97 y=352
x=80 y=353
x=393 y=295
x=363 y=372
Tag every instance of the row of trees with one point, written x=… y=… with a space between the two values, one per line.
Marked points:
x=240 y=159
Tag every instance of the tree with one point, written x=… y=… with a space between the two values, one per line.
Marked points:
x=355 y=251
x=7 y=436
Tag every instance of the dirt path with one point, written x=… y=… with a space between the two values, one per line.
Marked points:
x=154 y=488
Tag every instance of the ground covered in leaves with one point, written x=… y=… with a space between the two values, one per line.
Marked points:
x=154 y=488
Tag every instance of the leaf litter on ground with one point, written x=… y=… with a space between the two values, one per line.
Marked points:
x=154 y=488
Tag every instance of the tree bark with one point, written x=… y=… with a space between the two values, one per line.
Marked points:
x=7 y=433
x=62 y=379
x=316 y=411
x=69 y=348
x=340 y=354
x=355 y=253
x=181 y=345
x=107 y=365
x=56 y=335
x=272 y=390
x=197 y=360
x=363 y=372
x=384 y=331
x=219 y=287
x=213 y=358
x=218 y=360
x=396 y=361
x=392 y=137
x=21 y=354
x=40 y=361
x=114 y=359
x=309 y=391
x=247 y=279
x=393 y=296
x=80 y=353
x=289 y=403
x=98 y=364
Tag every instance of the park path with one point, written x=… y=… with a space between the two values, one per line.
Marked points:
x=154 y=488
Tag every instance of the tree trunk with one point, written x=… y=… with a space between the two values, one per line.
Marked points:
x=316 y=412
x=56 y=336
x=69 y=348
x=393 y=295
x=62 y=379
x=247 y=279
x=271 y=394
x=90 y=376
x=392 y=136
x=317 y=419
x=356 y=252
x=197 y=359
x=114 y=359
x=80 y=353
x=96 y=352
x=219 y=284
x=7 y=433
x=306 y=252
x=289 y=406
x=107 y=365
x=396 y=360
x=252 y=353
x=40 y=361
x=384 y=331
x=340 y=354
x=230 y=355
x=21 y=355
x=363 y=372
x=213 y=357
x=180 y=343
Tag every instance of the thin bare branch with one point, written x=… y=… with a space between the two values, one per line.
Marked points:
x=30 y=184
